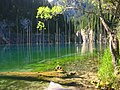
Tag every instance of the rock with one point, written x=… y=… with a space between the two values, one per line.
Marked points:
x=56 y=86
x=59 y=69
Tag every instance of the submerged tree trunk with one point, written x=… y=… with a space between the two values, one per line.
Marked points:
x=3 y=38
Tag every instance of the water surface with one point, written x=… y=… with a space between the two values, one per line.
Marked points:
x=14 y=57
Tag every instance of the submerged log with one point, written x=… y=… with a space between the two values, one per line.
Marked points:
x=55 y=76
x=36 y=75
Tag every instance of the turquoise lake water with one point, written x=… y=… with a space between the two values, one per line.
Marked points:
x=14 y=57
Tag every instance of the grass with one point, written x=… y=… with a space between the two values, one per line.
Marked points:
x=106 y=69
x=49 y=65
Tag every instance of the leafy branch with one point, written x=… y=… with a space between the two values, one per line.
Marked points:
x=45 y=13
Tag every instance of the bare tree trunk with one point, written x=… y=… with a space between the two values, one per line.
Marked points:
x=114 y=49
x=114 y=45
x=113 y=41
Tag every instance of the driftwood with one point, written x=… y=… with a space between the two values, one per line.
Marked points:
x=55 y=76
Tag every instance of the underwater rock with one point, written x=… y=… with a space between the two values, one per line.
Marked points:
x=56 y=86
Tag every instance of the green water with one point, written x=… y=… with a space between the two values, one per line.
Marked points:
x=14 y=57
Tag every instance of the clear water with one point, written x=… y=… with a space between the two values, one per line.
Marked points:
x=13 y=57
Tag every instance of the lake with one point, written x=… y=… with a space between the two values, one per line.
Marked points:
x=13 y=57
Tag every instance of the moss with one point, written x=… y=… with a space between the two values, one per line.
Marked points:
x=49 y=65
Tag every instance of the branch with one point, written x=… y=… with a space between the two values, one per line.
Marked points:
x=90 y=12
x=107 y=28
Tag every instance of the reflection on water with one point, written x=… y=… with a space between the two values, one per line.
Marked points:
x=16 y=56
x=13 y=57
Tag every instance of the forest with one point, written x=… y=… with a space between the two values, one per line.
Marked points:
x=59 y=44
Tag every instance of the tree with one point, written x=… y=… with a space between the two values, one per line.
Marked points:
x=111 y=8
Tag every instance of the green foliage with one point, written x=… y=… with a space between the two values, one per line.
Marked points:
x=106 y=70
x=41 y=25
x=87 y=21
x=45 y=13
x=56 y=10
x=108 y=6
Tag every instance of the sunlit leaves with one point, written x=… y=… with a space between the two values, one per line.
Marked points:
x=45 y=13
x=40 y=25
x=56 y=10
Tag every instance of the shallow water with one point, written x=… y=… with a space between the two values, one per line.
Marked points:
x=11 y=84
x=14 y=57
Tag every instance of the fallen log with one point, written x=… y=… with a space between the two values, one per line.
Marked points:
x=55 y=76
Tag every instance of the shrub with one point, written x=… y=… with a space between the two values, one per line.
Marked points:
x=105 y=72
